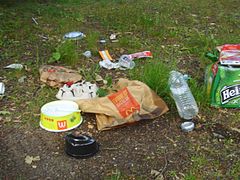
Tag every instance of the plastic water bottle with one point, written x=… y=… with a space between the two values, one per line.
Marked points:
x=185 y=102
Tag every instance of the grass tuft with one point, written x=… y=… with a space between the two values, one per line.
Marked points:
x=155 y=74
x=65 y=53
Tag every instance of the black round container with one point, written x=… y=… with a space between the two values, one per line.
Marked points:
x=80 y=146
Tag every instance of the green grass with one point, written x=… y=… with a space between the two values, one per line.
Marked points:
x=155 y=74
x=66 y=53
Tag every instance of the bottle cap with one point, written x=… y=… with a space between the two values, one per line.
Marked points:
x=187 y=126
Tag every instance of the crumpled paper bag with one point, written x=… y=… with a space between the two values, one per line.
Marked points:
x=57 y=76
x=133 y=101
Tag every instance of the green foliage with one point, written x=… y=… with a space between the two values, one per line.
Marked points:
x=101 y=92
x=199 y=92
x=89 y=74
x=109 y=81
x=92 y=40
x=116 y=175
x=155 y=74
x=190 y=176
x=66 y=53
x=235 y=170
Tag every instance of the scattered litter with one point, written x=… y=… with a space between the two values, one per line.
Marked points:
x=4 y=113
x=80 y=146
x=138 y=55
x=34 y=20
x=57 y=76
x=108 y=64
x=59 y=116
x=134 y=101
x=22 y=79
x=125 y=62
x=102 y=41
x=87 y=54
x=105 y=55
x=34 y=166
x=14 y=66
x=187 y=126
x=182 y=95
x=76 y=91
x=229 y=54
x=31 y=159
x=113 y=37
x=74 y=35
x=2 y=88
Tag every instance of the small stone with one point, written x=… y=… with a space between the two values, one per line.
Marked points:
x=218 y=136
x=22 y=79
x=72 y=173
x=90 y=126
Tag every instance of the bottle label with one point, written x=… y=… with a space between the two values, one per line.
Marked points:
x=229 y=92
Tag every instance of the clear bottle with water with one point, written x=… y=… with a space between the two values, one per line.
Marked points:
x=185 y=102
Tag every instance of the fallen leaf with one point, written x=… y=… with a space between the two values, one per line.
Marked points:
x=154 y=172
x=30 y=159
x=37 y=158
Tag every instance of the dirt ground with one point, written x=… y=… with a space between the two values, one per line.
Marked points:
x=135 y=151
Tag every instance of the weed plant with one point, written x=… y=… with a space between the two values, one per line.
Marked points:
x=155 y=74
x=65 y=53
x=92 y=40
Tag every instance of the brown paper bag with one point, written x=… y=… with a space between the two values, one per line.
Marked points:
x=56 y=76
x=133 y=101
